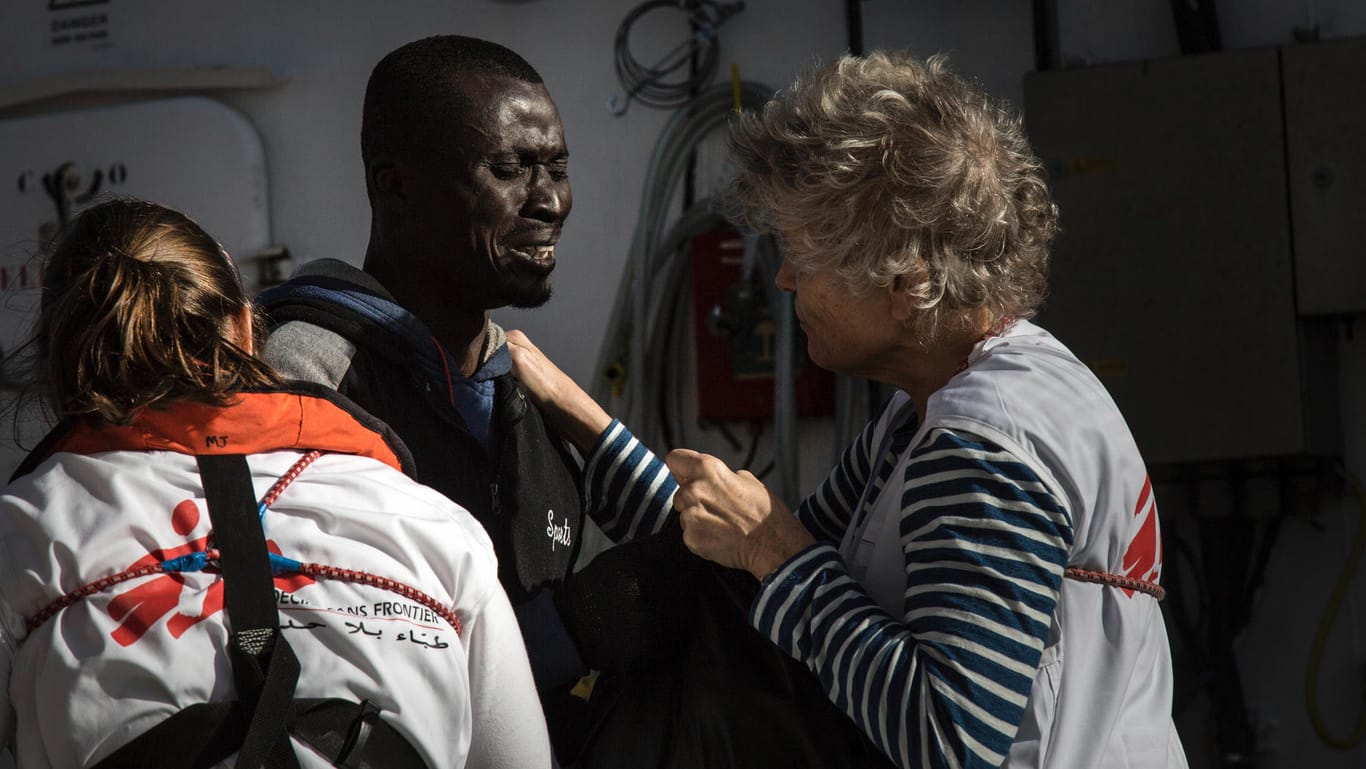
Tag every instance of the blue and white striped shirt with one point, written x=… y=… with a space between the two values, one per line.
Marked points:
x=985 y=544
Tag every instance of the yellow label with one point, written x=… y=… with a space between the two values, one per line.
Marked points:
x=584 y=688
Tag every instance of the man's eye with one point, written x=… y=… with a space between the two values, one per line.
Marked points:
x=558 y=170
x=508 y=170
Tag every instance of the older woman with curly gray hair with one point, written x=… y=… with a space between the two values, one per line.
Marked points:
x=894 y=174
x=975 y=584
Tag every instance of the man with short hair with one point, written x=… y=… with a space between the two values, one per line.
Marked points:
x=466 y=171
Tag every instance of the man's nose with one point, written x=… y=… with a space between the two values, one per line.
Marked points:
x=548 y=199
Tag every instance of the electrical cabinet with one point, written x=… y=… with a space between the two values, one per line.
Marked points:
x=1183 y=271
x=1325 y=123
x=736 y=338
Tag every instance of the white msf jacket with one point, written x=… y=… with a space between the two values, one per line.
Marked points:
x=97 y=499
x=1102 y=694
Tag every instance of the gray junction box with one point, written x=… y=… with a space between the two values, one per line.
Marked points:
x=1213 y=211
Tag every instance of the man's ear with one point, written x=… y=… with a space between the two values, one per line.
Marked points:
x=386 y=180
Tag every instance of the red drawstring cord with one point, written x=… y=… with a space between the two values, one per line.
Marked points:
x=288 y=478
x=323 y=571
x=1115 y=580
x=99 y=585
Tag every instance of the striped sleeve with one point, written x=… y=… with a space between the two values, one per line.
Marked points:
x=627 y=489
x=945 y=684
x=827 y=512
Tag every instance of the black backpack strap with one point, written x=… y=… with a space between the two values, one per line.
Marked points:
x=195 y=738
x=264 y=667
x=351 y=735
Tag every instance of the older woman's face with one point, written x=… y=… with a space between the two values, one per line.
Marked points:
x=845 y=333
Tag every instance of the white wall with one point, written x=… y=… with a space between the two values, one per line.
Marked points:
x=310 y=124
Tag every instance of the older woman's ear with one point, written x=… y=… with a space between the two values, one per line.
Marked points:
x=903 y=299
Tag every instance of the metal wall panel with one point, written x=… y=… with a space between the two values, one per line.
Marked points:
x=1172 y=276
x=1325 y=124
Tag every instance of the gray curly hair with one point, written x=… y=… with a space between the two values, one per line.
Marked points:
x=892 y=170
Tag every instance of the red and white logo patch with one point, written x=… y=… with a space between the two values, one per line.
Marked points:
x=1143 y=557
x=137 y=610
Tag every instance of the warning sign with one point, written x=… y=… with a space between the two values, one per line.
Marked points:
x=79 y=23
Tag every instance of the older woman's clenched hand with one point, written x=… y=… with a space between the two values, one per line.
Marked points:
x=731 y=518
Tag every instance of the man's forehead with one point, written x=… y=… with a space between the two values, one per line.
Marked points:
x=476 y=92
x=488 y=107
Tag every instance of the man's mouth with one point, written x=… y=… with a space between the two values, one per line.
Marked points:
x=538 y=254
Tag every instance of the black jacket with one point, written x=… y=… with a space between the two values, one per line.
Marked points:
x=529 y=502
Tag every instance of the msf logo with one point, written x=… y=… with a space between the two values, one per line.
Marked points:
x=1143 y=557
x=139 y=609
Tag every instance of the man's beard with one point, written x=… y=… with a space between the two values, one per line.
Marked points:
x=528 y=297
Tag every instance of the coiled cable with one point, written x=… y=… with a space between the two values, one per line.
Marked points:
x=658 y=85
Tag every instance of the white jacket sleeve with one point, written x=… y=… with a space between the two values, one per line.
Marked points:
x=508 y=730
